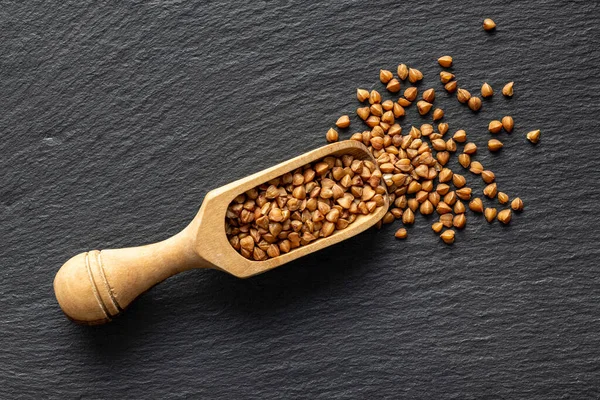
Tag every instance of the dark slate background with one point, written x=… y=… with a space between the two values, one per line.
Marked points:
x=116 y=118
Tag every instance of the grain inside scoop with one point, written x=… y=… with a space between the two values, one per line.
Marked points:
x=95 y=286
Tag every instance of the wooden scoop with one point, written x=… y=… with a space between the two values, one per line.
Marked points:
x=95 y=286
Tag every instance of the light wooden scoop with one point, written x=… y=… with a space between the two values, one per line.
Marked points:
x=95 y=286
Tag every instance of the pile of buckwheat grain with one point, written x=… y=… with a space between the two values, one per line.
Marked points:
x=302 y=206
x=414 y=164
x=316 y=200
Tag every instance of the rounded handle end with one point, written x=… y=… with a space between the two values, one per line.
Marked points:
x=83 y=292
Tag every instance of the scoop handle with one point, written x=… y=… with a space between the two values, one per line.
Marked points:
x=95 y=286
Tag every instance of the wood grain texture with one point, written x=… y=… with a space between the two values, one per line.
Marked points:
x=122 y=117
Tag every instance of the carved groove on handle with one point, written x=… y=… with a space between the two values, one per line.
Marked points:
x=109 y=289
x=104 y=294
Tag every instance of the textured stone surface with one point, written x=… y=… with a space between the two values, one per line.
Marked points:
x=117 y=117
